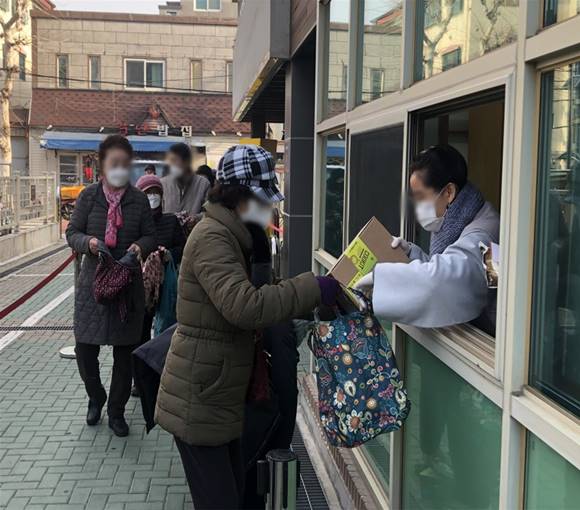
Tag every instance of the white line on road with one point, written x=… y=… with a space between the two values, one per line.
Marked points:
x=36 y=317
x=37 y=275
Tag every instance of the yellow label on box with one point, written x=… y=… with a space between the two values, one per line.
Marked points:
x=362 y=257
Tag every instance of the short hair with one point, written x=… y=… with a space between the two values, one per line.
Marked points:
x=150 y=168
x=440 y=165
x=229 y=195
x=114 y=142
x=183 y=151
x=207 y=172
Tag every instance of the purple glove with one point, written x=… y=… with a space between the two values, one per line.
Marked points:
x=329 y=290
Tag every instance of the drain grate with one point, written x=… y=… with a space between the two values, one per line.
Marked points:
x=36 y=328
x=310 y=494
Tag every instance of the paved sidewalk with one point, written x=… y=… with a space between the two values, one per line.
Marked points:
x=49 y=458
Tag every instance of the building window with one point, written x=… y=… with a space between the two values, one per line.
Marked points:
x=559 y=10
x=333 y=194
x=95 y=72
x=22 y=66
x=379 y=58
x=556 y=294
x=552 y=483
x=337 y=63
x=196 y=75
x=451 y=59
x=171 y=13
x=62 y=71
x=68 y=169
x=490 y=26
x=452 y=438
x=208 y=5
x=4 y=5
x=229 y=75
x=144 y=74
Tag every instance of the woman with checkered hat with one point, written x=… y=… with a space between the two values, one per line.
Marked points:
x=206 y=379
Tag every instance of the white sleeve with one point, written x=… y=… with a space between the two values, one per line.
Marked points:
x=450 y=288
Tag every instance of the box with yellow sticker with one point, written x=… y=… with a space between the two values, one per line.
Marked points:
x=372 y=245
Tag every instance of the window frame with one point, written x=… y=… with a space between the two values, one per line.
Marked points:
x=207 y=9
x=192 y=63
x=59 y=79
x=94 y=85
x=145 y=61
x=229 y=76
x=22 y=72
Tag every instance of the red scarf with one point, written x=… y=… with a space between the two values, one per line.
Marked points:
x=114 y=214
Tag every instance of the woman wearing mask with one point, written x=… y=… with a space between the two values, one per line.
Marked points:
x=206 y=376
x=117 y=214
x=447 y=286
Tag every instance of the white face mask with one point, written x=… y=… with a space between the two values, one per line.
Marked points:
x=426 y=214
x=257 y=213
x=154 y=200
x=176 y=171
x=118 y=177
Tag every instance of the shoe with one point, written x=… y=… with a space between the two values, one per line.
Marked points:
x=119 y=426
x=95 y=409
x=134 y=391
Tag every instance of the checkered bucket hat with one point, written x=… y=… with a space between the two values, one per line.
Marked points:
x=252 y=166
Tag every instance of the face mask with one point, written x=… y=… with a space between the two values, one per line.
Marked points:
x=118 y=177
x=176 y=171
x=154 y=201
x=257 y=213
x=426 y=214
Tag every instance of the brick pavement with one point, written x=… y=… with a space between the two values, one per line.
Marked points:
x=49 y=458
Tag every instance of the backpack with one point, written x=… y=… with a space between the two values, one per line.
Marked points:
x=360 y=391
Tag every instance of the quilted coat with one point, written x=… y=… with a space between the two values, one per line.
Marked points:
x=101 y=324
x=204 y=383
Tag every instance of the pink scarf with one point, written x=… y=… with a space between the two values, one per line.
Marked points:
x=114 y=214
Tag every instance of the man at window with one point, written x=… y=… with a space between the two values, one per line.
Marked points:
x=449 y=285
x=183 y=190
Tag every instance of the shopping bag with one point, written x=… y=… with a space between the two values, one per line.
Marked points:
x=360 y=391
x=166 y=309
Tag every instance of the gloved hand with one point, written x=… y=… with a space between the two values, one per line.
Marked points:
x=399 y=242
x=329 y=290
x=366 y=283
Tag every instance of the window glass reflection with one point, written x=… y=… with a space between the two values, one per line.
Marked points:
x=559 y=10
x=556 y=318
x=380 y=47
x=337 y=69
x=452 y=32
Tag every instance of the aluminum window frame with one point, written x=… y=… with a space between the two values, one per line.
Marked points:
x=145 y=61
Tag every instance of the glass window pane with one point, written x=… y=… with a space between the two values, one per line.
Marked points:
x=155 y=75
x=214 y=5
x=556 y=315
x=22 y=66
x=62 y=61
x=95 y=72
x=201 y=5
x=68 y=170
x=376 y=163
x=337 y=58
x=559 y=10
x=380 y=47
x=196 y=75
x=333 y=194
x=229 y=75
x=451 y=440
x=552 y=483
x=135 y=73
x=470 y=27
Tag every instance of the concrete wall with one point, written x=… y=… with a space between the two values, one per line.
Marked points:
x=18 y=245
x=177 y=44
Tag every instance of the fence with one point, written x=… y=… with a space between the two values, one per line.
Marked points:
x=27 y=202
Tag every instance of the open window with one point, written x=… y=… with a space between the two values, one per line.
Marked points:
x=474 y=125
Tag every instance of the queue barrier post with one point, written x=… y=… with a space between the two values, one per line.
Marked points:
x=278 y=479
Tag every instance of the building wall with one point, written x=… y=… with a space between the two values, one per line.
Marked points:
x=229 y=9
x=175 y=43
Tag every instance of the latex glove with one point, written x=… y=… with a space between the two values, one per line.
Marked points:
x=399 y=242
x=329 y=290
x=366 y=283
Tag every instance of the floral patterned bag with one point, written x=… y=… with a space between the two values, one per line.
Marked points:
x=360 y=392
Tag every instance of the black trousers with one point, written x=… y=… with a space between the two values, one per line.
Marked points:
x=88 y=362
x=215 y=474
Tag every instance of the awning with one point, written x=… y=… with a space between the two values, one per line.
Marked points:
x=60 y=140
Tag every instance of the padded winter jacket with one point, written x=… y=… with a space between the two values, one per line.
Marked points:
x=204 y=383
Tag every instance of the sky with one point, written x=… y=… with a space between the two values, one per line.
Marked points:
x=133 y=6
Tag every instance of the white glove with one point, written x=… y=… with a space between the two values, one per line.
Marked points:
x=365 y=284
x=399 y=242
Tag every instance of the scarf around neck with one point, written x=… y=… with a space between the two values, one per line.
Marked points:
x=114 y=214
x=459 y=214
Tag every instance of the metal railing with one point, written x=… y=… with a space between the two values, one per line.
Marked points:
x=27 y=202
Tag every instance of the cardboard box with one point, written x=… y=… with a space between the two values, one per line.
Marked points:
x=371 y=246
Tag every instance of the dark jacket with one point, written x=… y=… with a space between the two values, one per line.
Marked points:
x=170 y=234
x=204 y=383
x=101 y=324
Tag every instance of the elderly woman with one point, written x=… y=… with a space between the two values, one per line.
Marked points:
x=119 y=215
x=205 y=381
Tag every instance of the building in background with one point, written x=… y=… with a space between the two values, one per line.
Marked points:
x=200 y=8
x=156 y=79
x=495 y=418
